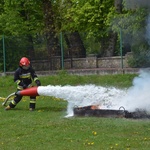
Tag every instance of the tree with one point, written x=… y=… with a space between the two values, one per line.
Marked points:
x=75 y=45
x=50 y=29
x=24 y=20
x=132 y=22
x=89 y=16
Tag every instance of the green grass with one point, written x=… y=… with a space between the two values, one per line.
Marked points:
x=48 y=129
x=117 y=80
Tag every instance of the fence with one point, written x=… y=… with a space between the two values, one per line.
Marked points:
x=73 y=54
x=89 y=62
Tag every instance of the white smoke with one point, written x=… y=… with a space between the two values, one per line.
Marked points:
x=136 y=97
x=80 y=96
x=131 y=4
x=148 y=30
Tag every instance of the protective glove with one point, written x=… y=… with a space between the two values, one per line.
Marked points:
x=38 y=83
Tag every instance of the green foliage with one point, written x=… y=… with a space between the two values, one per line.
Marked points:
x=133 y=23
x=24 y=19
x=15 y=48
x=91 y=44
x=93 y=19
x=130 y=21
x=140 y=59
x=88 y=16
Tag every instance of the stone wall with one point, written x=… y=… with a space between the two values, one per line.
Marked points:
x=82 y=63
x=84 y=66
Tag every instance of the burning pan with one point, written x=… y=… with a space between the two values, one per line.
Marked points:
x=120 y=113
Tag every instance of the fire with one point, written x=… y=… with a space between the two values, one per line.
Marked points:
x=93 y=107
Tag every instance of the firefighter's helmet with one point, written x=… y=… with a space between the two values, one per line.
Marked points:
x=24 y=62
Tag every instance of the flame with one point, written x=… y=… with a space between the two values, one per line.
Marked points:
x=93 y=107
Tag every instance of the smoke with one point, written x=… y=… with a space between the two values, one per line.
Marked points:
x=132 y=4
x=138 y=96
x=148 y=30
x=135 y=97
x=84 y=95
x=140 y=36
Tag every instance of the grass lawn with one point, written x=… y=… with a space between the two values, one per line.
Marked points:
x=47 y=128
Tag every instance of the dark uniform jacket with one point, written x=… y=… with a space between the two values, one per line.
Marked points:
x=24 y=78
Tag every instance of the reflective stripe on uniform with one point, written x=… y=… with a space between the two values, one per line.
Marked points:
x=35 y=79
x=13 y=102
x=19 y=87
x=32 y=100
x=30 y=85
x=27 y=75
x=18 y=81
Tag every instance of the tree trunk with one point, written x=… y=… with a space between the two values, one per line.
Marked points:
x=53 y=46
x=30 y=47
x=109 y=45
x=75 y=45
x=118 y=5
x=50 y=32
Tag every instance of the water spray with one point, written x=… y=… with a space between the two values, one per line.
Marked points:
x=133 y=99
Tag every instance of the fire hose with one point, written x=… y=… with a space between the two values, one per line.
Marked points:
x=26 y=92
x=7 y=98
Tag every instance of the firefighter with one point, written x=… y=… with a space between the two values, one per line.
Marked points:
x=23 y=76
